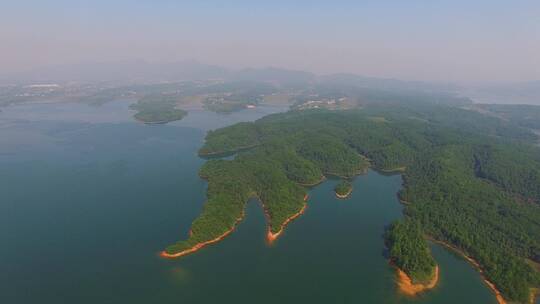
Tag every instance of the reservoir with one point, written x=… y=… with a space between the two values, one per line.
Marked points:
x=89 y=197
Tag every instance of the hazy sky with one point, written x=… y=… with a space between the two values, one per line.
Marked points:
x=453 y=40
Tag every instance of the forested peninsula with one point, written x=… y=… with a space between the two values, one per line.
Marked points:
x=409 y=252
x=470 y=181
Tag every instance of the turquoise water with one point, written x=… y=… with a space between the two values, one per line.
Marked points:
x=89 y=197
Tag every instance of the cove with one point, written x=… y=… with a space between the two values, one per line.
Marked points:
x=332 y=254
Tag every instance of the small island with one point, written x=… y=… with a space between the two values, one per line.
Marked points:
x=343 y=189
x=160 y=117
x=157 y=110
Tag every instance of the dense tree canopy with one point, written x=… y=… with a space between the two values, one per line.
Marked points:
x=409 y=251
x=473 y=184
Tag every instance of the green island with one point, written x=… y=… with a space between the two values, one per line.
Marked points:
x=471 y=181
x=343 y=189
x=157 y=109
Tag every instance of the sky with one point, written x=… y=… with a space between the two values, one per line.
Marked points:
x=433 y=40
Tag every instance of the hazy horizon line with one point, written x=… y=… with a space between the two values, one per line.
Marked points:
x=14 y=74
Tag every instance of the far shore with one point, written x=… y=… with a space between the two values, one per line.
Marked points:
x=147 y=122
x=394 y=170
x=361 y=171
x=315 y=183
x=475 y=264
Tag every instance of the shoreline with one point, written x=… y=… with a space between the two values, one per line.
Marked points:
x=157 y=122
x=149 y=122
x=361 y=171
x=406 y=285
x=535 y=291
x=218 y=153
x=399 y=170
x=344 y=196
x=201 y=245
x=474 y=263
x=322 y=179
x=271 y=237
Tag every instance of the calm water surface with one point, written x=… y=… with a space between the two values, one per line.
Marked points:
x=89 y=197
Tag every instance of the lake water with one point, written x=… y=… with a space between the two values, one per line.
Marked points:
x=89 y=197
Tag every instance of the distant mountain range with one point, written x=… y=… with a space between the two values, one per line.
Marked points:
x=146 y=72
x=142 y=71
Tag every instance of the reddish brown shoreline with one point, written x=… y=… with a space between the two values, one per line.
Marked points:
x=406 y=285
x=475 y=264
x=199 y=246
x=271 y=237
x=343 y=196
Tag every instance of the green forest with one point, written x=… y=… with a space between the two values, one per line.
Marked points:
x=470 y=180
x=408 y=250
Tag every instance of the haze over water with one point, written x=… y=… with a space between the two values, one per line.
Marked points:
x=86 y=206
